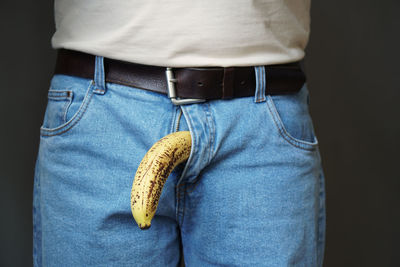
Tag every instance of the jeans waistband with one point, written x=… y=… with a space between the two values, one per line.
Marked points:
x=182 y=85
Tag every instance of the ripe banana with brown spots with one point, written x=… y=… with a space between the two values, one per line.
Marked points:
x=153 y=171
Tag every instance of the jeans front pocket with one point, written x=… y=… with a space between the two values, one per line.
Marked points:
x=67 y=100
x=291 y=117
x=58 y=102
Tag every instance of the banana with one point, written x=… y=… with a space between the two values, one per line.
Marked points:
x=153 y=171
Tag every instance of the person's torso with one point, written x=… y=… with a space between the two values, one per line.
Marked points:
x=181 y=33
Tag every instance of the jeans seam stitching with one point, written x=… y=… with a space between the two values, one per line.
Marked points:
x=173 y=121
x=194 y=143
x=212 y=134
x=183 y=206
x=321 y=215
x=37 y=194
x=52 y=93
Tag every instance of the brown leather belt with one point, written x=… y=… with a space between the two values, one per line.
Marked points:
x=193 y=83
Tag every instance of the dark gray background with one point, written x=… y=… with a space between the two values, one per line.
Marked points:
x=353 y=73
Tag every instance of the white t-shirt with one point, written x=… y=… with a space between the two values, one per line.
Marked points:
x=183 y=33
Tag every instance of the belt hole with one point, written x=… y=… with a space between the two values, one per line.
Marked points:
x=200 y=84
x=242 y=82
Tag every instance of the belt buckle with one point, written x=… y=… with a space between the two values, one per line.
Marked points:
x=171 y=80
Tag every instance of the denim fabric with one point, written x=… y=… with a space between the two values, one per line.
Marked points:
x=251 y=193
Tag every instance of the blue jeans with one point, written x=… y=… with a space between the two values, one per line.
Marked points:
x=251 y=193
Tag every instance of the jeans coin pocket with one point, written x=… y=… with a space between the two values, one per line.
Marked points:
x=67 y=100
x=291 y=117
